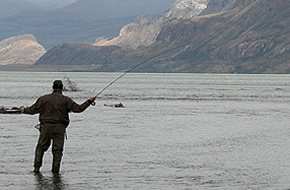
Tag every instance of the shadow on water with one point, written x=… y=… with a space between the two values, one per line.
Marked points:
x=54 y=182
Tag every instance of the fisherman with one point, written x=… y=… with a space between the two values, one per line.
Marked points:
x=53 y=112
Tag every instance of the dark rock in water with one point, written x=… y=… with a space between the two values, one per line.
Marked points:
x=120 y=105
x=13 y=110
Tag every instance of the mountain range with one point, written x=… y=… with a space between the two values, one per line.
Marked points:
x=249 y=36
x=215 y=36
x=80 y=22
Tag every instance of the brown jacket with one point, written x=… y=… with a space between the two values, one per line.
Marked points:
x=55 y=108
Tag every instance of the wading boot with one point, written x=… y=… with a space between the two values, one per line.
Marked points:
x=36 y=170
x=55 y=170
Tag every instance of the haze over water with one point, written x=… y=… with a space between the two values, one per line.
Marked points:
x=177 y=131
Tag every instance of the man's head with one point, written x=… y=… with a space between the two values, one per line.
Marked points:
x=57 y=84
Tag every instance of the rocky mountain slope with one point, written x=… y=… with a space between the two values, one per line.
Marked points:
x=235 y=41
x=145 y=30
x=250 y=36
x=216 y=6
x=22 y=49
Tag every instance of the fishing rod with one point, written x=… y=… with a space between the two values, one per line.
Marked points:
x=131 y=69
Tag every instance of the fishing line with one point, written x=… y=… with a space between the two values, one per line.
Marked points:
x=131 y=69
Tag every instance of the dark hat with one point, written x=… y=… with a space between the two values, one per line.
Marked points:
x=57 y=84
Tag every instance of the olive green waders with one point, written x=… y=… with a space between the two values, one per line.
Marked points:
x=56 y=134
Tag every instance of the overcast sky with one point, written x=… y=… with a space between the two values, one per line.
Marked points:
x=50 y=3
x=14 y=7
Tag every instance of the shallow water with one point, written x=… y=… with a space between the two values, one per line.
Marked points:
x=177 y=131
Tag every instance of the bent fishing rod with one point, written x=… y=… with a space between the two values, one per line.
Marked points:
x=131 y=69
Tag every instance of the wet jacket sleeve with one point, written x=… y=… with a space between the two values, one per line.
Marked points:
x=74 y=107
x=35 y=108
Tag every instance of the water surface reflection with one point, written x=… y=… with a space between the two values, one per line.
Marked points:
x=54 y=182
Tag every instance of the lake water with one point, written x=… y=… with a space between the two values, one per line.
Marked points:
x=176 y=132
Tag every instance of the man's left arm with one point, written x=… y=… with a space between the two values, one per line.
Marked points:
x=34 y=109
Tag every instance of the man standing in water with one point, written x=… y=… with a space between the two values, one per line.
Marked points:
x=53 y=112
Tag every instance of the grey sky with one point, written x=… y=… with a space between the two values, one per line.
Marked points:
x=14 y=7
x=52 y=3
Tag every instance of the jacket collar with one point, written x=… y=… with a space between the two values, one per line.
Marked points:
x=57 y=91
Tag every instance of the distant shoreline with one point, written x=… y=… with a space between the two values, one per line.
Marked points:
x=87 y=68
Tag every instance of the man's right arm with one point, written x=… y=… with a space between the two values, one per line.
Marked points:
x=74 y=107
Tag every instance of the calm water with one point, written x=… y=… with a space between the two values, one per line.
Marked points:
x=177 y=132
